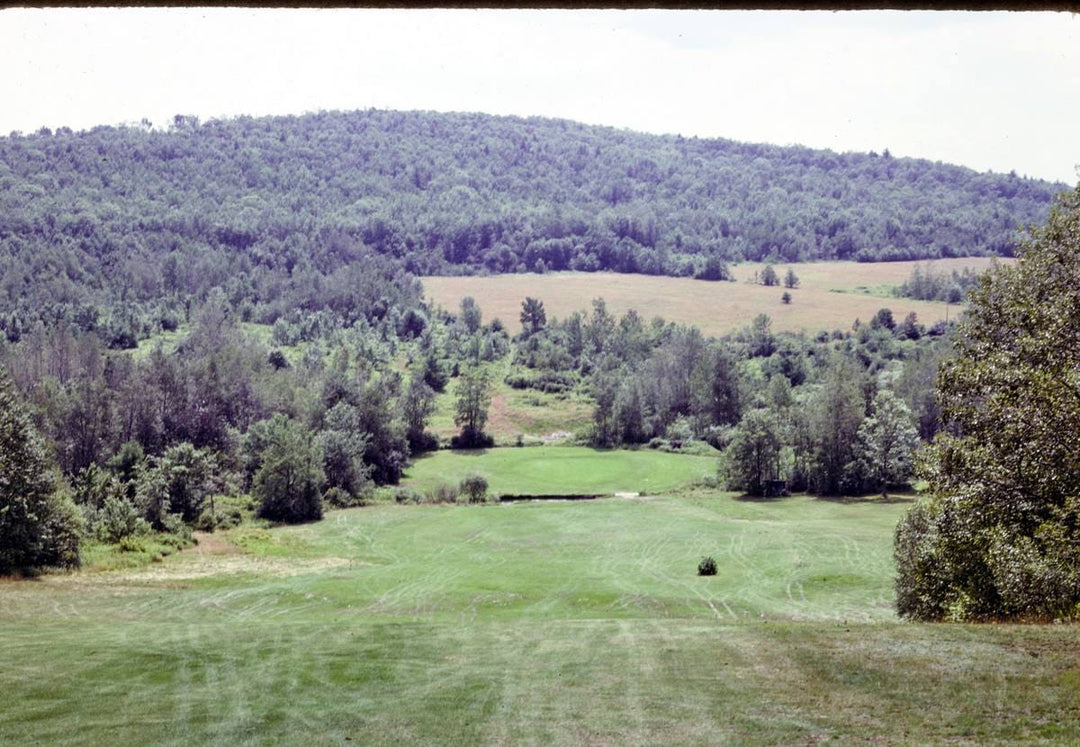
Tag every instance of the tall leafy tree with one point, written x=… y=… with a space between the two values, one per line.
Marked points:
x=754 y=454
x=838 y=411
x=288 y=485
x=418 y=405
x=471 y=316
x=533 y=317
x=37 y=528
x=471 y=407
x=886 y=442
x=999 y=536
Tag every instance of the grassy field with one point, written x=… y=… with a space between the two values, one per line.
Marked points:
x=568 y=623
x=831 y=295
x=561 y=470
x=534 y=415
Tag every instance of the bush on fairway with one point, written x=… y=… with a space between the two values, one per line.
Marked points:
x=707 y=567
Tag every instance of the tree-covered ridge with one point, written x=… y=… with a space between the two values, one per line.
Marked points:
x=278 y=211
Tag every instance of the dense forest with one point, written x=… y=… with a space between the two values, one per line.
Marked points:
x=118 y=229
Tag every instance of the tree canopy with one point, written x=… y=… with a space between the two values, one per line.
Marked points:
x=1000 y=535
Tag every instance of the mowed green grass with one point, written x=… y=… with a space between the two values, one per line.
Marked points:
x=831 y=295
x=561 y=470
x=553 y=623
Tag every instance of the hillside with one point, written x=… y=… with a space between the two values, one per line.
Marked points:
x=331 y=210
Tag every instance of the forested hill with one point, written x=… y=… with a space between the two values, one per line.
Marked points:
x=275 y=211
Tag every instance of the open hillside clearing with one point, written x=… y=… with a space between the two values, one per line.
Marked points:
x=831 y=295
x=525 y=623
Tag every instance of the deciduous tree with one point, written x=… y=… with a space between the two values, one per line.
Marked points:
x=37 y=527
x=999 y=536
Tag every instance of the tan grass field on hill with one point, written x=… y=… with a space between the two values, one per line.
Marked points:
x=831 y=295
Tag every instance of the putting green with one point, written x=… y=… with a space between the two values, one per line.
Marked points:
x=562 y=470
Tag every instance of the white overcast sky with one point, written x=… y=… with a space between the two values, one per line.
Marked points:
x=994 y=91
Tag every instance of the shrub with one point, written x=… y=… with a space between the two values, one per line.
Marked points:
x=442 y=494
x=132 y=544
x=406 y=495
x=339 y=498
x=475 y=488
x=707 y=567
x=224 y=517
x=119 y=519
x=470 y=439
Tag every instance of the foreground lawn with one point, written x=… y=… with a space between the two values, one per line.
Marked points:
x=562 y=470
x=525 y=623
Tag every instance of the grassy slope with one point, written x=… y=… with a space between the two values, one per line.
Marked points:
x=527 y=412
x=561 y=470
x=530 y=623
x=717 y=308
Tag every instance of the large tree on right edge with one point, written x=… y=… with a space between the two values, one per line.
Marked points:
x=999 y=535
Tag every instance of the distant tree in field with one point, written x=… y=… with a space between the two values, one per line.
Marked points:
x=288 y=485
x=471 y=316
x=883 y=319
x=37 y=527
x=533 y=317
x=791 y=280
x=769 y=276
x=910 y=329
x=417 y=405
x=754 y=453
x=760 y=336
x=471 y=408
x=998 y=536
x=278 y=360
x=714 y=269
x=887 y=440
x=434 y=374
x=786 y=298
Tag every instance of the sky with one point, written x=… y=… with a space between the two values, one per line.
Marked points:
x=993 y=91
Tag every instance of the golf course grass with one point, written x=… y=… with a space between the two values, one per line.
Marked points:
x=569 y=623
x=562 y=470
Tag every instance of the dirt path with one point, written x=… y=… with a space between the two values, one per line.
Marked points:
x=209 y=543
